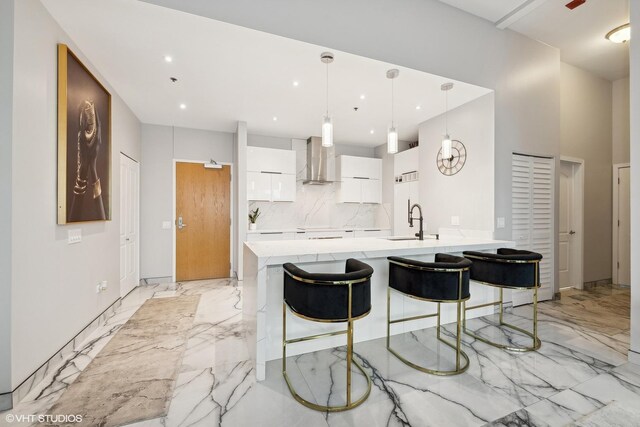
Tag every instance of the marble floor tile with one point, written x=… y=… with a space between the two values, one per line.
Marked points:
x=580 y=369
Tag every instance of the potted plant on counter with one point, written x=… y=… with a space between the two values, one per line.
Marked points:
x=253 y=217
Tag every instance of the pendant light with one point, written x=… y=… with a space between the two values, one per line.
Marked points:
x=327 y=125
x=392 y=134
x=446 y=140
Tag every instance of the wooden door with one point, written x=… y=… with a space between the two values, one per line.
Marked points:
x=203 y=222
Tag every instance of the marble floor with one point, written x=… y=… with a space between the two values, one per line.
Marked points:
x=579 y=376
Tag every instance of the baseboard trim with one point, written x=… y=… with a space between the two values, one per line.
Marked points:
x=59 y=357
x=634 y=357
x=590 y=285
x=6 y=401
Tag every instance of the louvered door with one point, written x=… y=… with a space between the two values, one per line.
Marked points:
x=532 y=216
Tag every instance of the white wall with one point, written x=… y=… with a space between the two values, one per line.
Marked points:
x=156 y=186
x=586 y=133
x=469 y=194
x=53 y=284
x=620 y=118
x=525 y=74
x=634 y=355
x=6 y=126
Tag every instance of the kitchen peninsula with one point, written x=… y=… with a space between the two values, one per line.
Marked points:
x=263 y=289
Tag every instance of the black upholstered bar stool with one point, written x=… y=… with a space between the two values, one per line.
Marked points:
x=507 y=269
x=332 y=298
x=444 y=281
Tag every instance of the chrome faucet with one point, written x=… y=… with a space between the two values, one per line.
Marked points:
x=420 y=233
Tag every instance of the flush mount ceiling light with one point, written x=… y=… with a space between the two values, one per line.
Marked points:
x=446 y=139
x=327 y=125
x=168 y=58
x=621 y=34
x=392 y=134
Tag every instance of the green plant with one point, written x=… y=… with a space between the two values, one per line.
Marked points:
x=253 y=215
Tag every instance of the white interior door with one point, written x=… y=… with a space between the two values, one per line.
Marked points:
x=129 y=223
x=565 y=226
x=624 y=230
x=532 y=216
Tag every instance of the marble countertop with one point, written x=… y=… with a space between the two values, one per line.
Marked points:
x=277 y=252
x=314 y=230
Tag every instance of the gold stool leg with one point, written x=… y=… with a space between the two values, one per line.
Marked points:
x=284 y=338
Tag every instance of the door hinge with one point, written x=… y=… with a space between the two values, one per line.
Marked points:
x=618 y=265
x=618 y=181
x=618 y=223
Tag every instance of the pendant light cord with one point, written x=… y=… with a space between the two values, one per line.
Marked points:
x=446 y=112
x=327 y=89
x=392 y=99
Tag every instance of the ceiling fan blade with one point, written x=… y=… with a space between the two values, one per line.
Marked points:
x=575 y=3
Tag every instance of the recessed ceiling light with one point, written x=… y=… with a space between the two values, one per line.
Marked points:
x=362 y=96
x=167 y=58
x=296 y=83
x=183 y=106
x=621 y=34
x=275 y=119
x=418 y=107
x=372 y=131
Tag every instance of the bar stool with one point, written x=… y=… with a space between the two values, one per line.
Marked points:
x=328 y=298
x=507 y=269
x=444 y=281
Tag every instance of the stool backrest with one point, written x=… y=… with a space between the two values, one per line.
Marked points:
x=510 y=268
x=446 y=279
x=325 y=296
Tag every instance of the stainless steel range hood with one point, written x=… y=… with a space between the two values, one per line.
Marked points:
x=321 y=162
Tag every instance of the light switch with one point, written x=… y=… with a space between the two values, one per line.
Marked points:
x=166 y=225
x=455 y=220
x=500 y=222
x=74 y=236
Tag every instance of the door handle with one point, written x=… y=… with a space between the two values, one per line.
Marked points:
x=572 y=232
x=180 y=224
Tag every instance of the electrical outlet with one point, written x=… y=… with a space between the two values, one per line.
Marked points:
x=455 y=220
x=500 y=222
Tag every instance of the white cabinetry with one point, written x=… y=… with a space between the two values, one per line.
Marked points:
x=360 y=179
x=271 y=174
x=269 y=236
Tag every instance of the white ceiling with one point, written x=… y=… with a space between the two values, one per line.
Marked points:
x=578 y=33
x=228 y=73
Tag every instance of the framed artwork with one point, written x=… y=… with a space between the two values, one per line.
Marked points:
x=84 y=143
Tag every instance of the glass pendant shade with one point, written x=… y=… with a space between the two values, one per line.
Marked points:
x=446 y=147
x=327 y=132
x=392 y=140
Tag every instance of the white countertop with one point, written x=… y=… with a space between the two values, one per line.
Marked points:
x=314 y=230
x=278 y=252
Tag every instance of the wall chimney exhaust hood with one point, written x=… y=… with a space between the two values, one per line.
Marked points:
x=321 y=162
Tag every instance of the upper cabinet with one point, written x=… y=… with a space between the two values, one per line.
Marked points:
x=358 y=167
x=271 y=174
x=271 y=160
x=360 y=179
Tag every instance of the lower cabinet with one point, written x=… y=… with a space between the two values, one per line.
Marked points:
x=266 y=236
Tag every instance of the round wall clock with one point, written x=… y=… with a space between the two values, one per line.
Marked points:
x=455 y=163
